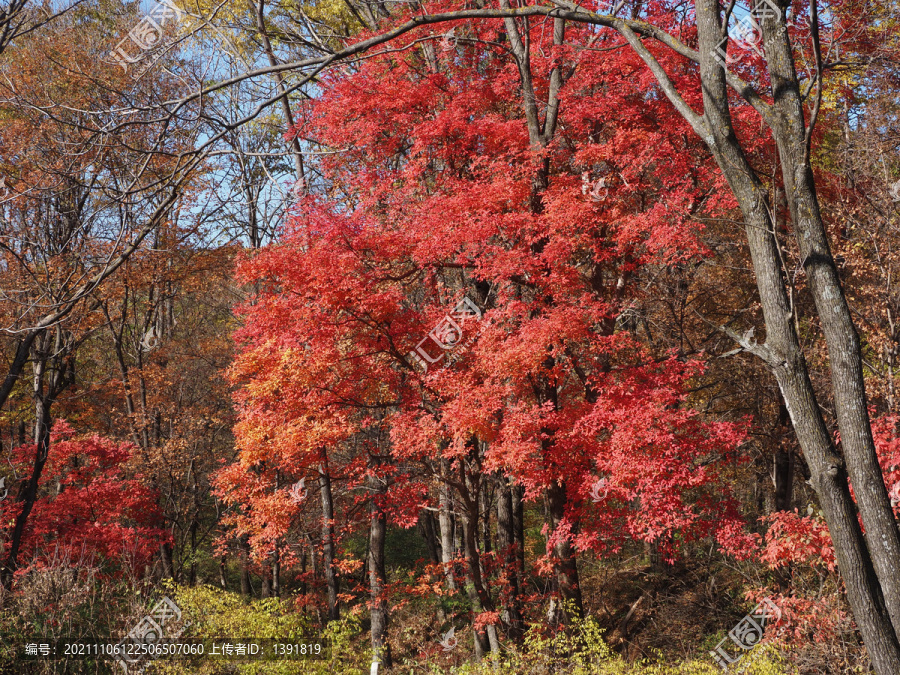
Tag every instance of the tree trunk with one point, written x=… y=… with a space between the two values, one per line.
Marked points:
x=332 y=580
x=507 y=546
x=475 y=587
x=445 y=521
x=276 y=560
x=165 y=559
x=841 y=338
x=53 y=372
x=381 y=649
x=28 y=495
x=246 y=587
x=518 y=511
x=782 y=349
x=567 y=582
x=426 y=524
x=783 y=469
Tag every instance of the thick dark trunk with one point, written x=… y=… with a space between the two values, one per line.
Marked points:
x=445 y=521
x=244 y=556
x=378 y=605
x=426 y=525
x=332 y=580
x=785 y=462
x=53 y=371
x=28 y=496
x=567 y=582
x=475 y=586
x=165 y=559
x=782 y=348
x=486 y=498
x=276 y=574
x=784 y=479
x=507 y=546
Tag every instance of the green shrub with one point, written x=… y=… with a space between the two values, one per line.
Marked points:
x=583 y=651
x=215 y=613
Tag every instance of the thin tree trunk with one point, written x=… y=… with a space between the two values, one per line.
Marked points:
x=783 y=469
x=276 y=561
x=445 y=521
x=377 y=576
x=426 y=524
x=332 y=580
x=314 y=563
x=518 y=511
x=507 y=546
x=475 y=587
x=246 y=587
x=53 y=372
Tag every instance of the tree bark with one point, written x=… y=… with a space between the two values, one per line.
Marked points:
x=378 y=605
x=841 y=338
x=244 y=556
x=782 y=349
x=426 y=523
x=475 y=587
x=332 y=580
x=445 y=521
x=53 y=372
x=567 y=581
x=507 y=546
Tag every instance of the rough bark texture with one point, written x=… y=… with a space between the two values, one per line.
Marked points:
x=378 y=578
x=508 y=545
x=862 y=567
x=331 y=576
x=54 y=366
x=445 y=520
x=475 y=586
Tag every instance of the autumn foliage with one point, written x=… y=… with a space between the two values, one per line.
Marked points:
x=95 y=508
x=469 y=348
